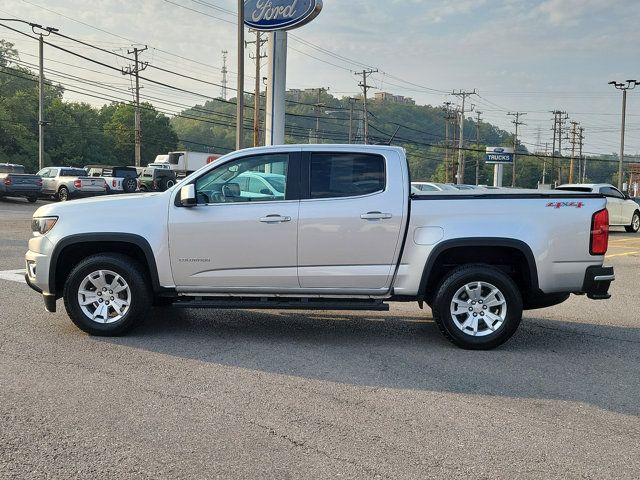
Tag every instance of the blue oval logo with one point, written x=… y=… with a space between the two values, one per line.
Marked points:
x=498 y=150
x=270 y=15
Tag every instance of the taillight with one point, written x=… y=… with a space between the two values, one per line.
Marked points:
x=114 y=183
x=77 y=184
x=599 y=233
x=7 y=181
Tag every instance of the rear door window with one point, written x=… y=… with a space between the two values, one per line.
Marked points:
x=336 y=175
x=611 y=192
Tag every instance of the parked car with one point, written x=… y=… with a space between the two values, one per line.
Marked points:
x=119 y=179
x=15 y=183
x=156 y=179
x=346 y=235
x=433 y=187
x=623 y=211
x=67 y=183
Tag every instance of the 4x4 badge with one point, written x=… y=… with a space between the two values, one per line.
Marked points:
x=565 y=204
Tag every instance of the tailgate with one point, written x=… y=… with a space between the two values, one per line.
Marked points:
x=92 y=184
x=23 y=183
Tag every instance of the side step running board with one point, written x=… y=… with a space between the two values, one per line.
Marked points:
x=283 y=304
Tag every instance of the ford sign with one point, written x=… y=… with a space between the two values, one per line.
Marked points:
x=270 y=15
x=499 y=155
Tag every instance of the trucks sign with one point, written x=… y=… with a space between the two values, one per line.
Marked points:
x=499 y=155
x=270 y=15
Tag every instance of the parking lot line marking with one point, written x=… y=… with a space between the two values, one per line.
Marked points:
x=623 y=254
x=13 y=275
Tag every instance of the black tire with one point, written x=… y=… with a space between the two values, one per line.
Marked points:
x=63 y=194
x=32 y=199
x=138 y=295
x=487 y=338
x=129 y=185
x=143 y=188
x=165 y=183
x=635 y=223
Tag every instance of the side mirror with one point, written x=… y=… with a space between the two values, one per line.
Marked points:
x=188 y=196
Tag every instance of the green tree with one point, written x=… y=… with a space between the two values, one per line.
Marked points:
x=118 y=125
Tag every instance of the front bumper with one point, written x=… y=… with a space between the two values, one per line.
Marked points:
x=597 y=281
x=49 y=300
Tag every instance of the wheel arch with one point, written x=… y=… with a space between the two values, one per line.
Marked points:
x=71 y=250
x=494 y=251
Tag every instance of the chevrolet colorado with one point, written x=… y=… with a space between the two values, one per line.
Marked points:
x=344 y=232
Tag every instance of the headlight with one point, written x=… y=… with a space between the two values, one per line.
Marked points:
x=42 y=225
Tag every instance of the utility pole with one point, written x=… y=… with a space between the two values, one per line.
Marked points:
x=365 y=89
x=573 y=141
x=464 y=96
x=135 y=70
x=628 y=85
x=256 y=104
x=544 y=164
x=240 y=91
x=352 y=101
x=318 y=106
x=561 y=128
x=557 y=135
x=447 y=120
x=223 y=92
x=478 y=113
x=41 y=102
x=583 y=160
x=517 y=123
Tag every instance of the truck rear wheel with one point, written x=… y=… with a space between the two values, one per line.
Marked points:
x=477 y=307
x=106 y=295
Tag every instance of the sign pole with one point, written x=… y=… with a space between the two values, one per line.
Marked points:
x=498 y=171
x=240 y=96
x=277 y=85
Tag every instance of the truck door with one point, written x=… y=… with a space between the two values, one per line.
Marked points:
x=350 y=224
x=232 y=240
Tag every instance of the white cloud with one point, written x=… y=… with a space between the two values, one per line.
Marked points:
x=571 y=12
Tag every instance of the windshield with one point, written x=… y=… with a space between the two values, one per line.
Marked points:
x=19 y=169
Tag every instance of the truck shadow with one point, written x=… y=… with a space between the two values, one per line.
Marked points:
x=546 y=359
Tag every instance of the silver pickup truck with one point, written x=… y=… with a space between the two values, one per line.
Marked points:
x=344 y=232
x=67 y=183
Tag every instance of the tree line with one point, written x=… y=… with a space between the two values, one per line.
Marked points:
x=79 y=134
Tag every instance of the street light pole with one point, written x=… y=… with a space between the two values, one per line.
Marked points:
x=628 y=85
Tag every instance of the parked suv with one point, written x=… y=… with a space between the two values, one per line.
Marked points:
x=156 y=179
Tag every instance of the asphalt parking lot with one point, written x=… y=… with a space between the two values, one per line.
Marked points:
x=245 y=394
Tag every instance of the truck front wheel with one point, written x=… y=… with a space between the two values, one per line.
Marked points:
x=106 y=295
x=477 y=307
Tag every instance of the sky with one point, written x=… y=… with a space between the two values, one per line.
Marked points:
x=519 y=55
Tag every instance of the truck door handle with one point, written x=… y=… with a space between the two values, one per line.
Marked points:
x=275 y=219
x=376 y=216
